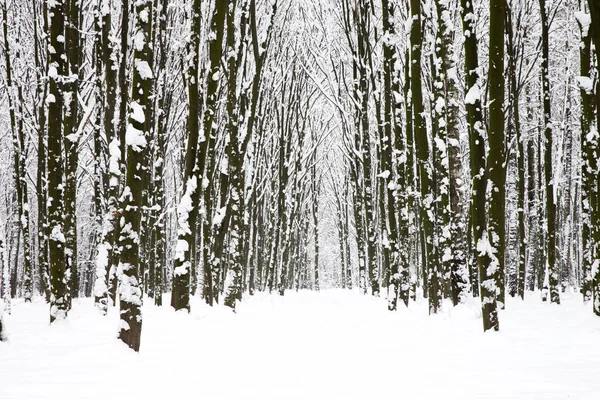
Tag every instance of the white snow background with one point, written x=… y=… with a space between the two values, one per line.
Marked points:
x=331 y=345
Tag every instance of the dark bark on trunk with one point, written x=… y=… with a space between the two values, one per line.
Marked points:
x=553 y=266
x=188 y=209
x=595 y=31
x=477 y=132
x=59 y=298
x=137 y=137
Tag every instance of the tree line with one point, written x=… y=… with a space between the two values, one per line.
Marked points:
x=407 y=148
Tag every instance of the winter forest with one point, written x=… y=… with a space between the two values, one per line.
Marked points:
x=311 y=198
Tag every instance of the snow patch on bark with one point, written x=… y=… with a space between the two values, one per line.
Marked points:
x=100 y=288
x=135 y=138
x=186 y=206
x=473 y=95
x=129 y=289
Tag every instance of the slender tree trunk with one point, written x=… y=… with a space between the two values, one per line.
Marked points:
x=514 y=102
x=234 y=281
x=217 y=29
x=59 y=298
x=187 y=210
x=589 y=149
x=496 y=160
x=71 y=134
x=454 y=231
x=100 y=169
x=315 y=224
x=424 y=165
x=553 y=269
x=479 y=174
x=137 y=136
x=595 y=30
x=15 y=101
x=42 y=187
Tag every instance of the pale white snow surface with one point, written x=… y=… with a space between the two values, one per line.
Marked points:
x=330 y=345
x=585 y=84
x=584 y=19
x=135 y=138
x=473 y=95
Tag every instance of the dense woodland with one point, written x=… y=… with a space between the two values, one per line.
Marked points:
x=442 y=149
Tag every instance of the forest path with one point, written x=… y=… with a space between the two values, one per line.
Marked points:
x=330 y=345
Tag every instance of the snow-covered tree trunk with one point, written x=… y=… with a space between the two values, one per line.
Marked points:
x=235 y=111
x=595 y=270
x=100 y=168
x=71 y=134
x=15 y=103
x=362 y=24
x=164 y=91
x=315 y=222
x=42 y=156
x=5 y=299
x=394 y=163
x=187 y=211
x=107 y=252
x=136 y=138
x=477 y=133
x=59 y=293
x=412 y=236
x=453 y=232
x=533 y=238
x=5 y=272
x=512 y=51
x=282 y=217
x=552 y=265
x=589 y=148
x=117 y=145
x=496 y=165
x=210 y=133
x=439 y=125
x=427 y=218
x=565 y=214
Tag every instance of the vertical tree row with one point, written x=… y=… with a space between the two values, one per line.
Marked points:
x=16 y=107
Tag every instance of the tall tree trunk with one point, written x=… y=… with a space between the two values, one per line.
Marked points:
x=187 y=210
x=424 y=165
x=595 y=30
x=514 y=103
x=4 y=271
x=479 y=174
x=137 y=136
x=100 y=169
x=107 y=257
x=217 y=29
x=235 y=110
x=42 y=187
x=71 y=134
x=362 y=23
x=496 y=160
x=387 y=175
x=553 y=268
x=455 y=232
x=15 y=101
x=589 y=149
x=315 y=222
x=59 y=297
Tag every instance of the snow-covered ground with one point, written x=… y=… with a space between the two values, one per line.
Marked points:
x=330 y=345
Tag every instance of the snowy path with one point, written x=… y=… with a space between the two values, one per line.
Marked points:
x=332 y=345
